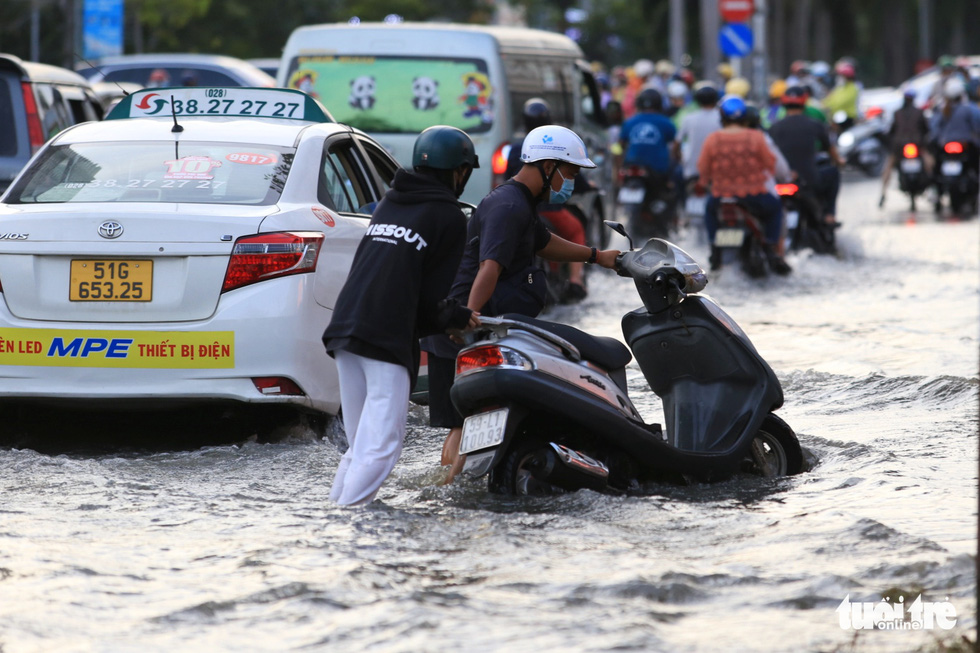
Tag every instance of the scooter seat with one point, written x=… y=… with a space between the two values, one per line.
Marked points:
x=608 y=353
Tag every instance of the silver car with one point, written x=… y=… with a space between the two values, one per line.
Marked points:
x=158 y=70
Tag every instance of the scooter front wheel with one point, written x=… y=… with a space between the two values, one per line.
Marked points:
x=775 y=450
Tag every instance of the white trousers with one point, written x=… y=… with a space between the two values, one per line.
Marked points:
x=374 y=399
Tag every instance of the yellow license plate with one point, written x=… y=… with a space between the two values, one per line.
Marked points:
x=111 y=280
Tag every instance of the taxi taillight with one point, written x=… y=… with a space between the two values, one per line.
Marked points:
x=272 y=255
x=498 y=163
x=35 y=134
x=910 y=151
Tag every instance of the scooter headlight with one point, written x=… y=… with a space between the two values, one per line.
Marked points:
x=484 y=356
x=846 y=140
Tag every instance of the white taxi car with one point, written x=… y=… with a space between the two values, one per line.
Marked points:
x=189 y=247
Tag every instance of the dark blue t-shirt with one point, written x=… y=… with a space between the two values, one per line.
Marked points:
x=648 y=137
x=504 y=228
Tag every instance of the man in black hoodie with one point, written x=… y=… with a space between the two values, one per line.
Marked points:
x=395 y=293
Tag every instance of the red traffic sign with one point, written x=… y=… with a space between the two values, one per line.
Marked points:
x=736 y=11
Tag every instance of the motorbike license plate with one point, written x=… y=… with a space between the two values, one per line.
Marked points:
x=111 y=280
x=695 y=205
x=630 y=195
x=483 y=430
x=952 y=168
x=729 y=237
x=792 y=219
x=911 y=165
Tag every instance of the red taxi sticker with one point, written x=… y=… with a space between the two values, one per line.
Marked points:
x=323 y=215
x=251 y=159
x=191 y=167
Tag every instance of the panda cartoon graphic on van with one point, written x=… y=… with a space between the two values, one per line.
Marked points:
x=361 y=92
x=425 y=93
x=476 y=96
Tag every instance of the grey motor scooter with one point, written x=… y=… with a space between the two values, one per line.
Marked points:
x=546 y=405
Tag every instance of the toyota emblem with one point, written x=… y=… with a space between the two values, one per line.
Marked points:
x=110 y=229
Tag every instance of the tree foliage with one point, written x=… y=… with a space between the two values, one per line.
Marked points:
x=883 y=35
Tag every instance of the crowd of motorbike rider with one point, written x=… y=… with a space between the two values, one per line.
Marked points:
x=949 y=113
x=803 y=112
x=668 y=117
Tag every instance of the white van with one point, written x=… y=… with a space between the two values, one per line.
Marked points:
x=394 y=80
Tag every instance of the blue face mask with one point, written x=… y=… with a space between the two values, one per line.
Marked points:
x=567 y=185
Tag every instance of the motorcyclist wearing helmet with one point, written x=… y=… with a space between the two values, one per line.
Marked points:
x=947 y=70
x=799 y=70
x=401 y=274
x=537 y=113
x=738 y=86
x=677 y=101
x=646 y=137
x=695 y=128
x=646 y=140
x=957 y=120
x=774 y=102
x=735 y=162
x=497 y=273
x=821 y=79
x=642 y=75
x=798 y=137
x=844 y=96
x=909 y=125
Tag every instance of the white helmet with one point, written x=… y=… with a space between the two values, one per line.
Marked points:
x=665 y=67
x=954 y=87
x=643 y=68
x=555 y=143
x=676 y=88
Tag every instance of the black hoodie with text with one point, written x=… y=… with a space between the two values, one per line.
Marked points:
x=402 y=271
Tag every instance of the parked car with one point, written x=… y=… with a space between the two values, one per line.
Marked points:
x=188 y=249
x=36 y=102
x=890 y=99
x=158 y=70
x=110 y=93
x=268 y=65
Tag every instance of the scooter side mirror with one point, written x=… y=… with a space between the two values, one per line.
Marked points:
x=619 y=229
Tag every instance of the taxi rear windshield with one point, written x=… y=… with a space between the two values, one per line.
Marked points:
x=193 y=173
x=394 y=95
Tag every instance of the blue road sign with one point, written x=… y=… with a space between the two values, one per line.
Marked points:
x=735 y=39
x=103 y=28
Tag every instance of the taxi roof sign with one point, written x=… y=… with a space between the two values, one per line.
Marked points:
x=223 y=101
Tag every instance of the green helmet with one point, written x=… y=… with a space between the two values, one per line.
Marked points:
x=444 y=148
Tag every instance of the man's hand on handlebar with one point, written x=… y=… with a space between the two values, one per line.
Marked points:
x=607 y=258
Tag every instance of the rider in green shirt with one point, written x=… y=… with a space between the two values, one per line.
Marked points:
x=844 y=96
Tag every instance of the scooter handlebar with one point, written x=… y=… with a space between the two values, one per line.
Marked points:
x=620 y=259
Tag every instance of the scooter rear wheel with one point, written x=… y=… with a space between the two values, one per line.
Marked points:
x=514 y=475
x=775 y=450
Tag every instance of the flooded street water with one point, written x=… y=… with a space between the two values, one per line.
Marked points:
x=236 y=548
